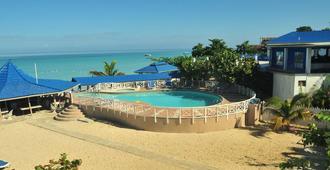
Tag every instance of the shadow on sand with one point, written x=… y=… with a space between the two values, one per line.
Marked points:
x=258 y=131
x=316 y=155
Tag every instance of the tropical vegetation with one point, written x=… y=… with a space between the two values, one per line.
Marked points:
x=315 y=137
x=321 y=98
x=63 y=163
x=304 y=29
x=246 y=48
x=309 y=28
x=287 y=111
x=215 y=60
x=109 y=70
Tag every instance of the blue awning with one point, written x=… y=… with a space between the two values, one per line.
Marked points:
x=159 y=67
x=88 y=81
x=302 y=38
x=14 y=83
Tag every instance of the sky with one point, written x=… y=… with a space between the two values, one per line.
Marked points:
x=40 y=26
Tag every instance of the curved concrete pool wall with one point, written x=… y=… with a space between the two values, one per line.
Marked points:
x=161 y=124
x=146 y=117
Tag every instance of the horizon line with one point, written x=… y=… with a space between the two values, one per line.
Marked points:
x=27 y=54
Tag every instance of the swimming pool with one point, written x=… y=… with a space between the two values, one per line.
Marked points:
x=170 y=98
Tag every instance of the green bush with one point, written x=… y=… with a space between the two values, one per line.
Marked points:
x=321 y=98
x=297 y=163
x=62 y=164
x=316 y=137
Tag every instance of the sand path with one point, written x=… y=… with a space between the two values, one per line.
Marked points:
x=101 y=145
x=183 y=164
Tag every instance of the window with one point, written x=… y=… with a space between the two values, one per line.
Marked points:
x=314 y=52
x=322 y=52
x=279 y=57
x=299 y=60
x=302 y=83
x=321 y=55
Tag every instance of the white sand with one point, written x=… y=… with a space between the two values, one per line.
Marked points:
x=104 y=146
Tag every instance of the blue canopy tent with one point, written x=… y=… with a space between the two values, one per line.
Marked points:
x=159 y=67
x=15 y=84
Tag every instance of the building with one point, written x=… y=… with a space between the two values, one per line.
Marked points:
x=21 y=92
x=299 y=61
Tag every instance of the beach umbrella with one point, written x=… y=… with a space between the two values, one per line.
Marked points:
x=158 y=67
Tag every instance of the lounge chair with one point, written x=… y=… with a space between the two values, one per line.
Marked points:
x=168 y=83
x=151 y=84
x=8 y=115
x=4 y=164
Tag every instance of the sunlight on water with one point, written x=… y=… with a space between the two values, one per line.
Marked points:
x=175 y=98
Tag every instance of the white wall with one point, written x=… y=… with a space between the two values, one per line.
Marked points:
x=283 y=85
x=286 y=85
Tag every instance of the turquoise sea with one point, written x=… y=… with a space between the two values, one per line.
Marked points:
x=66 y=66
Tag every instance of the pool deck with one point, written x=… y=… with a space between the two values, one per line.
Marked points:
x=148 y=110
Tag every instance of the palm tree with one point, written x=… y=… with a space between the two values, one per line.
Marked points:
x=109 y=70
x=321 y=98
x=288 y=111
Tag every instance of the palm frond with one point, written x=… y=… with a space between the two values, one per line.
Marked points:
x=273 y=110
x=301 y=99
x=274 y=102
x=120 y=73
x=300 y=114
x=96 y=73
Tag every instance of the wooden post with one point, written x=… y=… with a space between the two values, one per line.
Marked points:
x=167 y=120
x=127 y=110
x=180 y=116
x=71 y=98
x=30 y=105
x=155 y=118
x=134 y=110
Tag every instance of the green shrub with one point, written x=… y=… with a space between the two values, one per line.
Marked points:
x=314 y=136
x=62 y=164
x=321 y=98
x=297 y=163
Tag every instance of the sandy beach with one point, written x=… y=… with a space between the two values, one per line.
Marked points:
x=101 y=145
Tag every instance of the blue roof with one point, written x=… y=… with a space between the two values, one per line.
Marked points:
x=87 y=81
x=158 y=67
x=14 y=83
x=302 y=38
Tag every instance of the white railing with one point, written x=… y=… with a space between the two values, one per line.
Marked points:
x=146 y=110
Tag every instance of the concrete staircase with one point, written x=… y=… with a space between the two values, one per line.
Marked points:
x=70 y=113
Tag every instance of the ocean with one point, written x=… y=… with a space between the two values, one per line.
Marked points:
x=66 y=66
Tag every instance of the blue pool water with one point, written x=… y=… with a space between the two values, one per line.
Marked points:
x=175 y=98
